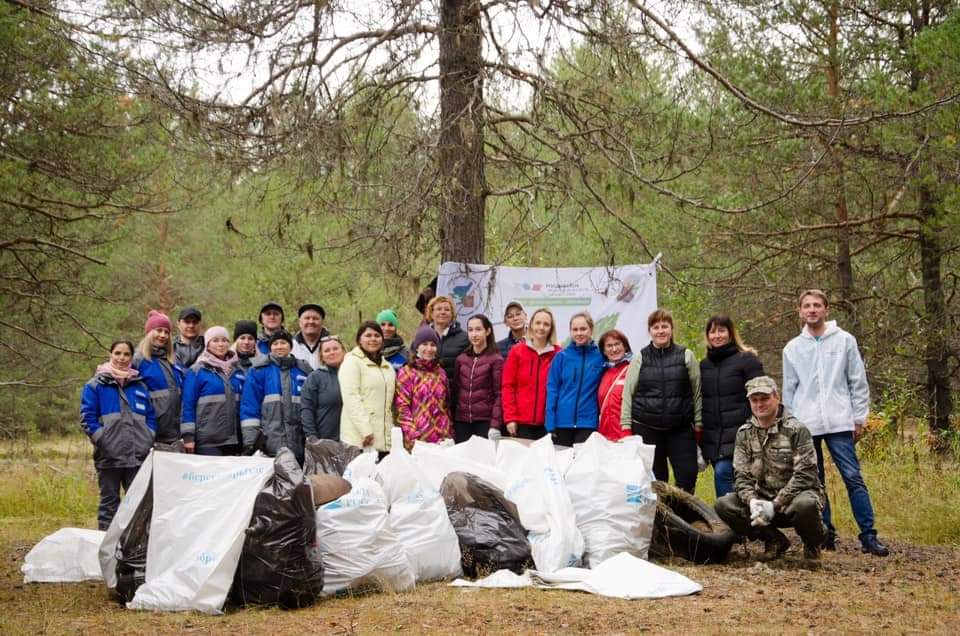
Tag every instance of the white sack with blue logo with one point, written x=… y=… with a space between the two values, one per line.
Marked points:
x=610 y=486
x=359 y=547
x=534 y=482
x=201 y=508
x=418 y=516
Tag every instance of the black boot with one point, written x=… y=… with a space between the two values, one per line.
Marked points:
x=871 y=544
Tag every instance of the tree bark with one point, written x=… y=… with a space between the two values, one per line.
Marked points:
x=935 y=320
x=844 y=263
x=460 y=155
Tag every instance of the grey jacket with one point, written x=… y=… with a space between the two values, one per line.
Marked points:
x=186 y=353
x=321 y=404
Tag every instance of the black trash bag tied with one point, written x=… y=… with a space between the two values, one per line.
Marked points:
x=280 y=562
x=328 y=456
x=487 y=525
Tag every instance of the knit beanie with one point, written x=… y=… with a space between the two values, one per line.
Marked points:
x=281 y=334
x=388 y=315
x=244 y=327
x=215 y=332
x=424 y=334
x=156 y=320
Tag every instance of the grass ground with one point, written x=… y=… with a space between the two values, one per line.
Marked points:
x=51 y=484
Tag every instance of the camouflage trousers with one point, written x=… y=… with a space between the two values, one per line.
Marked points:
x=803 y=515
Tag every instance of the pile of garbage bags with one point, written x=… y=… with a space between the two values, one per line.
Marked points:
x=194 y=533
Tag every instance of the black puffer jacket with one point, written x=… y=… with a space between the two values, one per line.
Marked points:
x=723 y=374
x=452 y=345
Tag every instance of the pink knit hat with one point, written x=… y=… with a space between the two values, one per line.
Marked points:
x=156 y=320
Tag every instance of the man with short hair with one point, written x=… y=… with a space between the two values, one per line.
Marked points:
x=515 y=318
x=271 y=321
x=825 y=387
x=188 y=345
x=775 y=477
x=306 y=342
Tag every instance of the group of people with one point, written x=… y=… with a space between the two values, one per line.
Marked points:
x=264 y=389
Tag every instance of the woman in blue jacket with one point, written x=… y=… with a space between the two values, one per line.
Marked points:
x=154 y=361
x=211 y=398
x=572 y=411
x=117 y=415
x=270 y=402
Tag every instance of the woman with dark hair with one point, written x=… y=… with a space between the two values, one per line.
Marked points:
x=616 y=350
x=154 y=360
x=367 y=385
x=211 y=398
x=393 y=348
x=479 y=376
x=575 y=373
x=524 y=386
x=270 y=401
x=117 y=415
x=724 y=374
x=662 y=402
x=421 y=395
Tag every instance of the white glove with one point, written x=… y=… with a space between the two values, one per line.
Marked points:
x=761 y=512
x=493 y=434
x=701 y=462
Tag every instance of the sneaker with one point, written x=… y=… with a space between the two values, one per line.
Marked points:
x=871 y=544
x=830 y=542
x=774 y=547
x=811 y=552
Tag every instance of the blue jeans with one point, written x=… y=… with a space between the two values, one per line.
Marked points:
x=844 y=456
x=723 y=476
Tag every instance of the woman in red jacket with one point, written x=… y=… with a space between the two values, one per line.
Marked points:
x=479 y=371
x=524 y=394
x=616 y=349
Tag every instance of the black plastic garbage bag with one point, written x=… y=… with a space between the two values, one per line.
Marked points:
x=328 y=456
x=131 y=552
x=132 y=549
x=280 y=562
x=487 y=525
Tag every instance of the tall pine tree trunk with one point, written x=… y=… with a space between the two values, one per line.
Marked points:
x=935 y=319
x=462 y=183
x=844 y=263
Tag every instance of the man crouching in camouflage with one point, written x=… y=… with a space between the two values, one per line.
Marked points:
x=775 y=474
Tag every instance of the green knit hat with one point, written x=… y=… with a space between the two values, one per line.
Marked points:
x=388 y=315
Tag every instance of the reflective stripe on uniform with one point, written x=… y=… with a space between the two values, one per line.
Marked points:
x=206 y=399
x=250 y=423
x=271 y=398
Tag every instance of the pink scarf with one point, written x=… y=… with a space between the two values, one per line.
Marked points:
x=120 y=375
x=225 y=365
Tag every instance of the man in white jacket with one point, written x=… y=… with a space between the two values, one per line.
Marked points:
x=825 y=387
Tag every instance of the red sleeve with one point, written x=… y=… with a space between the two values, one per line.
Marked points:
x=496 y=415
x=508 y=393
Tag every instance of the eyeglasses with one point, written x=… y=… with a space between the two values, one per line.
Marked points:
x=329 y=338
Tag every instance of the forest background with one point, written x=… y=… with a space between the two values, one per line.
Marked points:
x=159 y=154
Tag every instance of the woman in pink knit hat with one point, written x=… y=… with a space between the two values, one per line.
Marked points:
x=154 y=361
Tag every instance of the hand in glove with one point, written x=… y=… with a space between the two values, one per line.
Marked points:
x=701 y=462
x=761 y=512
x=493 y=434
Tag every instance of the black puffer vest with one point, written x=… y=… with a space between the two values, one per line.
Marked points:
x=663 y=399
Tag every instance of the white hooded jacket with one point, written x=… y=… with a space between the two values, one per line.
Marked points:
x=825 y=382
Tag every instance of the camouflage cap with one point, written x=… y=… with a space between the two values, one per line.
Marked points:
x=763 y=384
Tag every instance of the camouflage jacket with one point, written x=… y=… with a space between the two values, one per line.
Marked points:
x=777 y=463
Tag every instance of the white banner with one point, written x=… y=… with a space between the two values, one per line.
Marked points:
x=617 y=297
